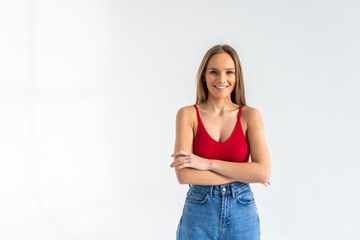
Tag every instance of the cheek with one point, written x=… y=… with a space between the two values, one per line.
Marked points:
x=209 y=76
x=210 y=80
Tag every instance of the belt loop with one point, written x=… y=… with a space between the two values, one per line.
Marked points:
x=232 y=190
x=211 y=189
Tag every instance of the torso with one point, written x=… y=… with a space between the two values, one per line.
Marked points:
x=220 y=128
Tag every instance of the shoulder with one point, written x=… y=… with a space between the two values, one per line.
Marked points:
x=186 y=111
x=252 y=115
x=186 y=114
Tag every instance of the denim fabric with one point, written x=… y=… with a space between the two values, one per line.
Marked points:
x=220 y=212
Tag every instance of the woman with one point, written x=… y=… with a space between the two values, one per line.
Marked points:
x=214 y=139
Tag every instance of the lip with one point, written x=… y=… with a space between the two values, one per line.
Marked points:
x=221 y=88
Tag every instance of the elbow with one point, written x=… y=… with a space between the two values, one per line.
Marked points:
x=180 y=174
x=265 y=179
x=266 y=176
x=181 y=181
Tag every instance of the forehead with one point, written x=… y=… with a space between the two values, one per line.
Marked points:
x=221 y=60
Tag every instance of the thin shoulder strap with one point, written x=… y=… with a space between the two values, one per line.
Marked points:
x=239 y=113
x=198 y=115
x=197 y=110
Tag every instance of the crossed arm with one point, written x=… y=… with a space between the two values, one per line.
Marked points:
x=216 y=172
x=223 y=172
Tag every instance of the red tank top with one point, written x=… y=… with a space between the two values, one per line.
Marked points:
x=234 y=149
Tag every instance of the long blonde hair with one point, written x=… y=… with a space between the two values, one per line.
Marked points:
x=238 y=94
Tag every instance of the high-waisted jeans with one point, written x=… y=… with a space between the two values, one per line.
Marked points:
x=219 y=212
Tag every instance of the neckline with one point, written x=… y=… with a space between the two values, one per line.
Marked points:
x=207 y=133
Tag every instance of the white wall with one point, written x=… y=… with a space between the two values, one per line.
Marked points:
x=89 y=92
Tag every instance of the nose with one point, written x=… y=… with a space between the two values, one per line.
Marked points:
x=223 y=77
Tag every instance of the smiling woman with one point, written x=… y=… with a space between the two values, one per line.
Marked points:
x=214 y=139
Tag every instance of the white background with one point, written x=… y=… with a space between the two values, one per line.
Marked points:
x=89 y=92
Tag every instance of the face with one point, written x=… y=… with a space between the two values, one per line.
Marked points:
x=220 y=75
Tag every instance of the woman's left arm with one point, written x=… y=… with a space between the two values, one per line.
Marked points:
x=258 y=170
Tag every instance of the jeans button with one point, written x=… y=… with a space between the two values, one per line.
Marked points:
x=224 y=189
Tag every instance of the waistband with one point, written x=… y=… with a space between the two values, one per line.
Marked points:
x=225 y=189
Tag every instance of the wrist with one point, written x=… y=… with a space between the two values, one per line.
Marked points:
x=210 y=164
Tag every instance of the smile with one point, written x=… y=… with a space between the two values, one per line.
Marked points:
x=221 y=87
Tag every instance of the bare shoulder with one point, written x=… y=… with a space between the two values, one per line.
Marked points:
x=184 y=129
x=187 y=111
x=251 y=115
x=186 y=114
x=187 y=108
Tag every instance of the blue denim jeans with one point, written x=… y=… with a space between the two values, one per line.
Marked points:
x=219 y=212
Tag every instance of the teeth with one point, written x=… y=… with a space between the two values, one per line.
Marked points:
x=221 y=87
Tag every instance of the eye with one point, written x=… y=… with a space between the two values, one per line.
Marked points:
x=230 y=72
x=213 y=72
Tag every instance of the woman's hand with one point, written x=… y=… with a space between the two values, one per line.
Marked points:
x=183 y=159
x=267 y=184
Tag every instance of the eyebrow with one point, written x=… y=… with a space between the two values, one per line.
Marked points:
x=225 y=68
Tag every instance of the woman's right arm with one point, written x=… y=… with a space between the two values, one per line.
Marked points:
x=184 y=141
